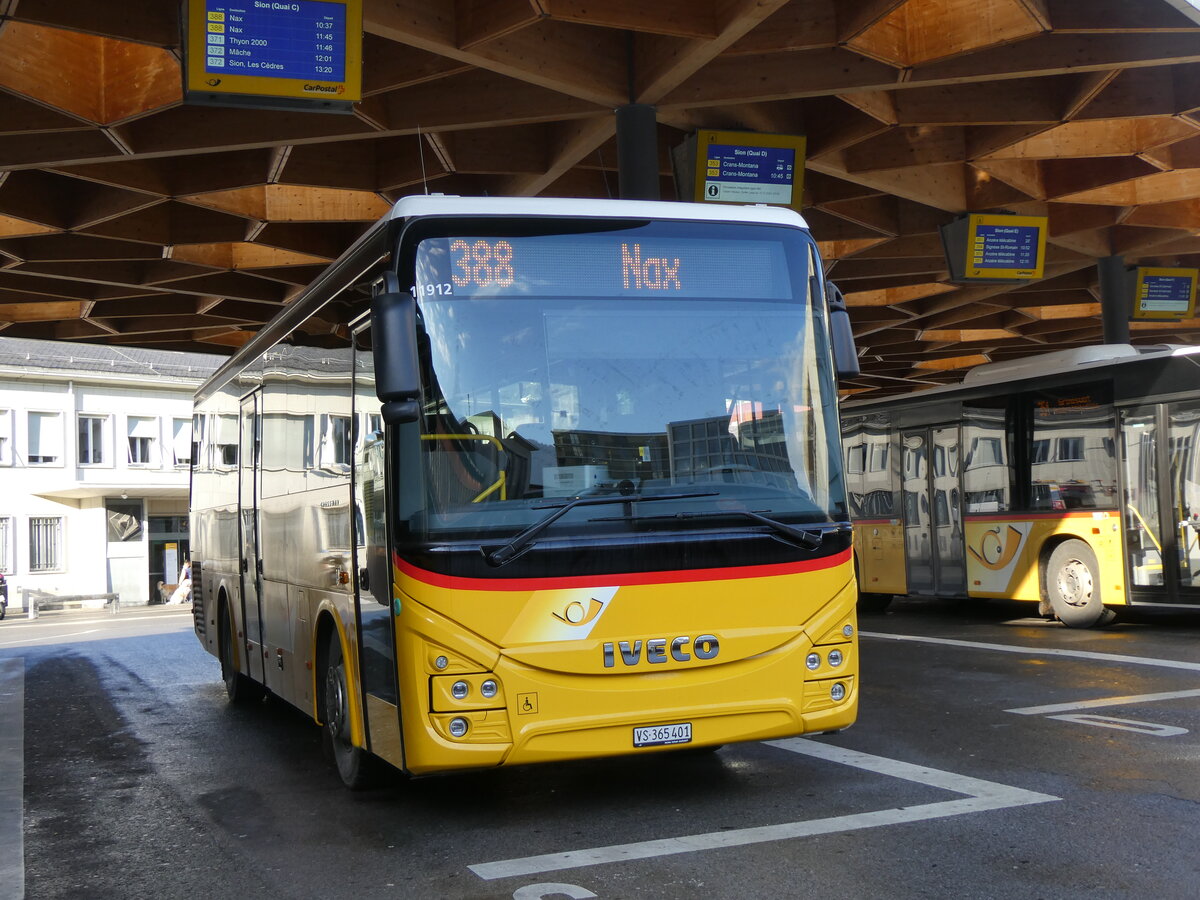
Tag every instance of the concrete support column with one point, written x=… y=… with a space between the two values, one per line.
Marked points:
x=637 y=152
x=1115 y=302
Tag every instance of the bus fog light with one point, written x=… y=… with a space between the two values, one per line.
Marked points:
x=489 y=689
x=459 y=690
x=835 y=658
x=441 y=662
x=813 y=661
x=458 y=727
x=836 y=693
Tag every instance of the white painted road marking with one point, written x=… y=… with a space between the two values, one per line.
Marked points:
x=1040 y=651
x=43 y=638
x=981 y=795
x=1123 y=724
x=53 y=621
x=1128 y=700
x=551 y=889
x=12 y=778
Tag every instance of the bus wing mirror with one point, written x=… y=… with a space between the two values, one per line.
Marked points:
x=397 y=370
x=845 y=354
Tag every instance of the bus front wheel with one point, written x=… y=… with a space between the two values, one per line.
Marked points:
x=1073 y=586
x=354 y=764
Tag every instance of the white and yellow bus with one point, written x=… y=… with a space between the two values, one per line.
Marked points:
x=530 y=480
x=1071 y=480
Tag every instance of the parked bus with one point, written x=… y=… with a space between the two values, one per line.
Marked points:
x=529 y=480
x=1071 y=480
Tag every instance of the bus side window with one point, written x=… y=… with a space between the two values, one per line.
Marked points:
x=986 y=479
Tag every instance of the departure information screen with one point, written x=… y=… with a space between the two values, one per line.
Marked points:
x=602 y=265
x=1165 y=293
x=303 y=39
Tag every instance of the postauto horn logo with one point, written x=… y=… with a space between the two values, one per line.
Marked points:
x=706 y=646
x=575 y=613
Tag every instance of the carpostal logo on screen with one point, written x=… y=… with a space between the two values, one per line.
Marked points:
x=324 y=88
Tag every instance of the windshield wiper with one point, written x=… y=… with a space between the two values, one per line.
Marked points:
x=501 y=555
x=806 y=539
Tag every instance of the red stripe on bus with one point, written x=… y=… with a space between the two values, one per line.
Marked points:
x=621 y=579
x=1017 y=517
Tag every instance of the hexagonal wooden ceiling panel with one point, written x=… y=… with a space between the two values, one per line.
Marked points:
x=127 y=217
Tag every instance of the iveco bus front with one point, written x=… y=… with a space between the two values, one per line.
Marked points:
x=597 y=493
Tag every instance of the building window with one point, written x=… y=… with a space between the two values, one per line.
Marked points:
x=227 y=442
x=91 y=440
x=143 y=433
x=199 y=445
x=6 y=437
x=45 y=543
x=6 y=538
x=856 y=459
x=181 y=441
x=45 y=439
x=336 y=443
x=1070 y=449
x=879 y=457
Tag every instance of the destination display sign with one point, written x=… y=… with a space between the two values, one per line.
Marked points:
x=749 y=174
x=1164 y=294
x=745 y=167
x=601 y=265
x=995 y=248
x=1005 y=246
x=253 y=52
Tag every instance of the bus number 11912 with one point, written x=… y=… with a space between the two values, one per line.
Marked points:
x=432 y=289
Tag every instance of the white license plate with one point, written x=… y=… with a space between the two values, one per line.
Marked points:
x=656 y=735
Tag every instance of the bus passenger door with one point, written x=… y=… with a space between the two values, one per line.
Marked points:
x=918 y=530
x=933 y=534
x=1162 y=501
x=1183 y=422
x=372 y=563
x=948 y=544
x=250 y=563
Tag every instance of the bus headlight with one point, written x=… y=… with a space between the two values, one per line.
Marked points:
x=836 y=693
x=835 y=658
x=813 y=661
x=457 y=727
x=459 y=690
x=489 y=689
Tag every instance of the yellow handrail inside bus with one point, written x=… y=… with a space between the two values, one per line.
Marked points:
x=1145 y=527
x=500 y=484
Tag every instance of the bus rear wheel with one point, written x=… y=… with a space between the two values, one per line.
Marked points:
x=1073 y=586
x=354 y=765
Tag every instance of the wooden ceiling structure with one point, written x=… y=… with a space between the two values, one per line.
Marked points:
x=130 y=218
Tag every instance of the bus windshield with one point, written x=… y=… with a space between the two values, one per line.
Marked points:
x=684 y=360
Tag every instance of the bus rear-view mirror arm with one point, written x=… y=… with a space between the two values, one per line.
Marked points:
x=845 y=354
x=394 y=339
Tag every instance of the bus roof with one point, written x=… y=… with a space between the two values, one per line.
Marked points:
x=1045 y=368
x=450 y=205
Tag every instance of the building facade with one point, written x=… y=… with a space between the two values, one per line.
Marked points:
x=95 y=449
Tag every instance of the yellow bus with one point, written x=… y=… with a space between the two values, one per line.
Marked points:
x=1070 y=480
x=524 y=480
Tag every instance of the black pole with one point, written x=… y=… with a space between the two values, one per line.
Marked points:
x=637 y=152
x=1116 y=304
